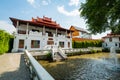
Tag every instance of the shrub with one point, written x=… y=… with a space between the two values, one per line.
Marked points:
x=105 y=50
x=88 y=43
x=5 y=42
x=117 y=51
x=49 y=56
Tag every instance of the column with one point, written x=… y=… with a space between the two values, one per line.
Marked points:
x=26 y=39
x=16 y=40
x=70 y=34
x=56 y=31
x=17 y=27
x=43 y=30
x=66 y=34
x=27 y=28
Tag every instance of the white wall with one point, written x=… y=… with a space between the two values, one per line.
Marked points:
x=114 y=43
x=38 y=36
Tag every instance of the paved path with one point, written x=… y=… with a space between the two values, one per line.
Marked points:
x=12 y=67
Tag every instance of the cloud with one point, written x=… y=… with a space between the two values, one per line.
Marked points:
x=46 y=2
x=38 y=3
x=31 y=2
x=74 y=2
x=61 y=9
x=99 y=36
x=4 y=25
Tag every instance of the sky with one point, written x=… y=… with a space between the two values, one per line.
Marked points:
x=64 y=12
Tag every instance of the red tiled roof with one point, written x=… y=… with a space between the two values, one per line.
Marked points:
x=111 y=35
x=83 y=39
x=40 y=22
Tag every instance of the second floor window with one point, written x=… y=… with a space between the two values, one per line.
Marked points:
x=110 y=39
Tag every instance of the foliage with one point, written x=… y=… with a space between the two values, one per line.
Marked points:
x=83 y=52
x=117 y=51
x=101 y=15
x=85 y=44
x=6 y=41
x=106 y=50
x=49 y=56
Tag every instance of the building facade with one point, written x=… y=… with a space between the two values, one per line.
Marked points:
x=40 y=34
x=111 y=40
x=80 y=33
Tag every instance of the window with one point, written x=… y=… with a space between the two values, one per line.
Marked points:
x=35 y=44
x=50 y=42
x=35 y=30
x=115 y=44
x=21 y=32
x=106 y=44
x=21 y=43
x=49 y=34
x=119 y=38
x=61 y=44
x=68 y=44
x=110 y=39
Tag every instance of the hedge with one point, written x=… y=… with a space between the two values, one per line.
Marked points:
x=85 y=44
x=6 y=42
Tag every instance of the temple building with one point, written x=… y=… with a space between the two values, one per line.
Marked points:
x=39 y=34
x=111 y=40
x=80 y=33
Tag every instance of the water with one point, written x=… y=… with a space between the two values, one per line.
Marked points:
x=112 y=62
x=83 y=67
x=113 y=56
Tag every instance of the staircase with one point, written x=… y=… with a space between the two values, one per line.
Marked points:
x=58 y=54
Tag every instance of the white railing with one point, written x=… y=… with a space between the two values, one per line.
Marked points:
x=37 y=72
x=82 y=49
x=54 y=50
x=62 y=53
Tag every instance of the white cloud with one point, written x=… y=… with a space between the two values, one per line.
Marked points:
x=31 y=2
x=61 y=9
x=74 y=2
x=46 y=2
x=99 y=36
x=38 y=3
x=6 y=26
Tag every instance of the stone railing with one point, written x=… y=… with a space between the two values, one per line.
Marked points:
x=35 y=33
x=37 y=72
x=82 y=49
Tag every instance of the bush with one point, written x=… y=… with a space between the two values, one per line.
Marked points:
x=105 y=50
x=6 y=42
x=117 y=51
x=88 y=43
x=49 y=56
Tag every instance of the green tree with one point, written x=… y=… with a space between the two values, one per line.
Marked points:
x=6 y=42
x=101 y=15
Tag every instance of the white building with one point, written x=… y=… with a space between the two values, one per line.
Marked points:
x=111 y=40
x=80 y=33
x=39 y=34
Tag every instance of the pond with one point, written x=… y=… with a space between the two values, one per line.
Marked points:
x=83 y=67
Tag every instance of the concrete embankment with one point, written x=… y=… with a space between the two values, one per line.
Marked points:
x=12 y=67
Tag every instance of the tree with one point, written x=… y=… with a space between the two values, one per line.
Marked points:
x=101 y=15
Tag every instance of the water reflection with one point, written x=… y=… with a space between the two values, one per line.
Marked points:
x=84 y=67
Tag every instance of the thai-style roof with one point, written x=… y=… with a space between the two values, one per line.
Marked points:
x=84 y=39
x=111 y=35
x=80 y=29
x=39 y=22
